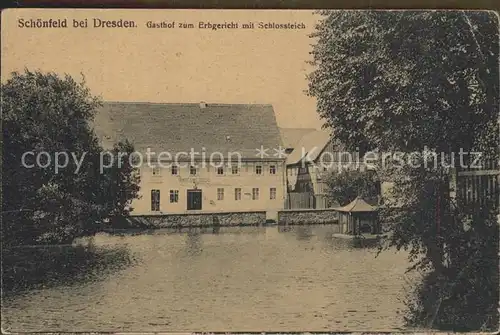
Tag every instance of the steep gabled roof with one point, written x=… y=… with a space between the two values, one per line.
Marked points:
x=292 y=136
x=178 y=127
x=312 y=143
x=357 y=205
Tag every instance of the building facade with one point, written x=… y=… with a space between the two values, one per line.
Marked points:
x=314 y=156
x=253 y=185
x=200 y=157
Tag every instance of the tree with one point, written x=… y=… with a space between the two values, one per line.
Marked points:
x=421 y=84
x=384 y=79
x=122 y=181
x=344 y=187
x=46 y=116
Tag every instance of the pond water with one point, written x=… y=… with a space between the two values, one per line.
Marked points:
x=236 y=279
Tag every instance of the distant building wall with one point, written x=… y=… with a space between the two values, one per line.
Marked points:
x=473 y=186
x=467 y=186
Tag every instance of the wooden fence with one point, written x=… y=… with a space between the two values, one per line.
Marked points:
x=308 y=200
x=298 y=200
x=477 y=186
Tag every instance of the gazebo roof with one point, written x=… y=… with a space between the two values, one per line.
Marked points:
x=357 y=205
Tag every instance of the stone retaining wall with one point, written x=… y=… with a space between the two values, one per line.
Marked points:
x=196 y=220
x=307 y=216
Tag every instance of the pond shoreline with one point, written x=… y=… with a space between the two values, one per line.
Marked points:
x=230 y=219
x=85 y=241
x=214 y=229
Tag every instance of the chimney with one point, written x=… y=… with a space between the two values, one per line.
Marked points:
x=203 y=105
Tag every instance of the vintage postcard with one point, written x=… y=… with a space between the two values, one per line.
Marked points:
x=249 y=170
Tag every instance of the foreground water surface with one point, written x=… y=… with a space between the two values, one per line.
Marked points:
x=236 y=279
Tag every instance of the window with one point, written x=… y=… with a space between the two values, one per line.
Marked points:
x=192 y=170
x=272 y=169
x=258 y=169
x=272 y=193
x=220 y=171
x=234 y=169
x=155 y=200
x=155 y=171
x=237 y=194
x=220 y=194
x=174 y=170
x=174 y=196
x=255 y=193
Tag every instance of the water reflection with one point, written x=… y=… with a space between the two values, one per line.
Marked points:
x=285 y=229
x=303 y=233
x=48 y=266
x=194 y=243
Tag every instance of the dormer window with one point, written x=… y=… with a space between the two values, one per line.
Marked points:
x=258 y=169
x=192 y=170
x=155 y=171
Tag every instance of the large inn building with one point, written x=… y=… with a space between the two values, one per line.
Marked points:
x=215 y=132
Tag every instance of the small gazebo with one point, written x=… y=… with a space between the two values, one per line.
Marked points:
x=358 y=217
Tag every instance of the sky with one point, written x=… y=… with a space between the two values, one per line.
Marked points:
x=173 y=65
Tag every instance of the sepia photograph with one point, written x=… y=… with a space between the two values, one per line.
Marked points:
x=250 y=170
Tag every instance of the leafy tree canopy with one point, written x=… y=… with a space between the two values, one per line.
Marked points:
x=346 y=186
x=410 y=82
x=404 y=80
x=43 y=112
